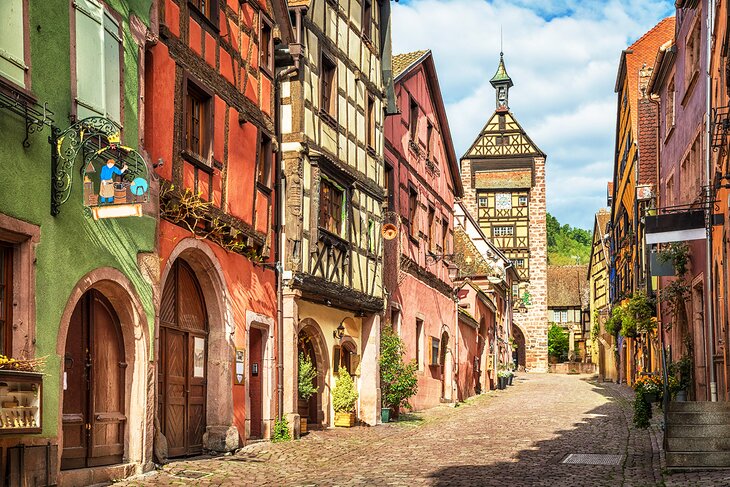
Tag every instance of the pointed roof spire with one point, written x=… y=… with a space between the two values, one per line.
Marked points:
x=501 y=76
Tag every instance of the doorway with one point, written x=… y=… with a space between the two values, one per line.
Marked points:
x=443 y=365
x=309 y=409
x=182 y=369
x=255 y=350
x=94 y=371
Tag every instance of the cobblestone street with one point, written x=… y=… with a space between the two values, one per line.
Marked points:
x=514 y=437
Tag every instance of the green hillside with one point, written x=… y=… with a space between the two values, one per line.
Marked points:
x=566 y=243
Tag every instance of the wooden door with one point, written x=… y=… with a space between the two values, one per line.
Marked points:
x=183 y=358
x=255 y=349
x=94 y=379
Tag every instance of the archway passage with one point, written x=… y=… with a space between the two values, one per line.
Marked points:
x=442 y=362
x=183 y=356
x=256 y=349
x=309 y=409
x=518 y=353
x=94 y=377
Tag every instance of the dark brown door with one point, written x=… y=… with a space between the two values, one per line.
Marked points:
x=183 y=357
x=254 y=382
x=94 y=377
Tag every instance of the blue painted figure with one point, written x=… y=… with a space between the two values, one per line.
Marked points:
x=106 y=191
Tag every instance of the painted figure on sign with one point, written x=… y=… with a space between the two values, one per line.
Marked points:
x=106 y=191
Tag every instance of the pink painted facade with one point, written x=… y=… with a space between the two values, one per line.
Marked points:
x=422 y=181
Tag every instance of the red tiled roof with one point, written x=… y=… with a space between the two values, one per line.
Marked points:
x=517 y=178
x=566 y=285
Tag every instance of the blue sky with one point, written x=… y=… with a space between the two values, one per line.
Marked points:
x=562 y=56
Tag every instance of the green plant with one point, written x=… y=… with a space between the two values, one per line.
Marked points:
x=281 y=431
x=640 y=311
x=398 y=379
x=678 y=254
x=676 y=293
x=307 y=374
x=344 y=395
x=615 y=322
x=642 y=411
x=681 y=370
x=558 y=342
x=596 y=327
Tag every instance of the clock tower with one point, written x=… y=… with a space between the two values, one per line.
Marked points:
x=503 y=174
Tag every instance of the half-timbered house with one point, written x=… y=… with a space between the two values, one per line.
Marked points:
x=422 y=178
x=603 y=344
x=503 y=173
x=209 y=123
x=332 y=162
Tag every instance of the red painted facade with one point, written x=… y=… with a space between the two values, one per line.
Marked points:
x=209 y=86
x=422 y=182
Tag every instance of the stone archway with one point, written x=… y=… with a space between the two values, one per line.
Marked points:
x=310 y=329
x=446 y=365
x=121 y=294
x=220 y=432
x=519 y=340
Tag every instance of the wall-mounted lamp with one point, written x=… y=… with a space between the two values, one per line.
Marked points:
x=339 y=332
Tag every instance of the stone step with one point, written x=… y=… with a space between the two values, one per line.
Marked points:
x=707 y=417
x=698 y=406
x=698 y=444
x=698 y=431
x=698 y=459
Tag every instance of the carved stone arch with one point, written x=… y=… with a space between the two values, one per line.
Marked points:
x=520 y=337
x=124 y=299
x=221 y=433
x=312 y=329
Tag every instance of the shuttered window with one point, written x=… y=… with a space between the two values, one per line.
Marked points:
x=12 y=41
x=98 y=62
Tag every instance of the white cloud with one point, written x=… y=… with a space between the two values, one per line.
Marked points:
x=562 y=56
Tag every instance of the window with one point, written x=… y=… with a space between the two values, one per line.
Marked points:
x=371 y=235
x=669 y=107
x=434 y=352
x=502 y=122
x=515 y=290
x=331 y=206
x=522 y=201
x=367 y=18
x=429 y=136
x=370 y=113
x=692 y=53
x=197 y=121
x=98 y=62
x=12 y=41
x=263 y=175
x=502 y=140
x=413 y=211
x=506 y=231
x=395 y=320
x=482 y=201
x=444 y=234
x=389 y=184
x=419 y=338
x=328 y=86
x=6 y=299
x=519 y=263
x=413 y=119
x=208 y=8
x=266 y=41
x=431 y=229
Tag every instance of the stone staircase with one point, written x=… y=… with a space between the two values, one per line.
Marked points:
x=697 y=435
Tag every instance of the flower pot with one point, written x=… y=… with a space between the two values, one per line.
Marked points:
x=681 y=395
x=501 y=382
x=302 y=425
x=650 y=397
x=346 y=420
x=510 y=379
x=385 y=415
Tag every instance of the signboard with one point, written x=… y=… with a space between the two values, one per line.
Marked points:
x=675 y=227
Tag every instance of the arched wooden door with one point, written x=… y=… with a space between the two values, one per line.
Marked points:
x=93 y=386
x=442 y=362
x=182 y=372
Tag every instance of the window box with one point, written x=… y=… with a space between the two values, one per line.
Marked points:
x=20 y=402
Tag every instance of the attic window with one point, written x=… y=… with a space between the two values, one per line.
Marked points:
x=502 y=140
x=502 y=122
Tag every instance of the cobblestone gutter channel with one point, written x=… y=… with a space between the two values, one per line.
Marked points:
x=519 y=437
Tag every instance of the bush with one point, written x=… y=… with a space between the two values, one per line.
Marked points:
x=398 y=380
x=307 y=374
x=281 y=431
x=344 y=395
x=642 y=411
x=558 y=342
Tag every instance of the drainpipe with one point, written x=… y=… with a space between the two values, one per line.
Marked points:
x=293 y=50
x=710 y=319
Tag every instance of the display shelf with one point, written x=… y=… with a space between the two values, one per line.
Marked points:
x=20 y=402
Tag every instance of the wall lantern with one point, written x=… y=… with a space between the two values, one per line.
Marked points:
x=340 y=331
x=116 y=178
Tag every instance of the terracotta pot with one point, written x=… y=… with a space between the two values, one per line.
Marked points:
x=346 y=420
x=302 y=425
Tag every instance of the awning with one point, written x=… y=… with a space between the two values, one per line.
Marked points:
x=676 y=227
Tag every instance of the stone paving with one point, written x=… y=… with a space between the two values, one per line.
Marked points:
x=516 y=437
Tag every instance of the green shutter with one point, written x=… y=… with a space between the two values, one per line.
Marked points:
x=89 y=59
x=112 y=75
x=12 y=46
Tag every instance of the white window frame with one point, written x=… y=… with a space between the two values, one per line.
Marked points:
x=15 y=58
x=109 y=27
x=503 y=231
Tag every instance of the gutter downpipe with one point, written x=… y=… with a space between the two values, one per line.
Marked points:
x=710 y=321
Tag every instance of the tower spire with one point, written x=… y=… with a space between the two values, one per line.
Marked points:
x=502 y=83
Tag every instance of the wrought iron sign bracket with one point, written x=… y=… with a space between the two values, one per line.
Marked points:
x=34 y=115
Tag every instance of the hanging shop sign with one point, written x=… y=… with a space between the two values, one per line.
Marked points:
x=116 y=178
x=676 y=227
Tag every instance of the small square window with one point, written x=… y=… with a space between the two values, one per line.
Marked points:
x=522 y=201
x=482 y=201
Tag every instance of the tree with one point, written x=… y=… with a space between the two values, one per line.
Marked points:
x=558 y=342
x=398 y=380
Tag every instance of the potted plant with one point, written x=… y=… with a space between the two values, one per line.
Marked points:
x=398 y=380
x=344 y=397
x=307 y=374
x=681 y=372
x=650 y=387
x=502 y=377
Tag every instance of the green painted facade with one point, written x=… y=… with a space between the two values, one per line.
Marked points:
x=71 y=244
